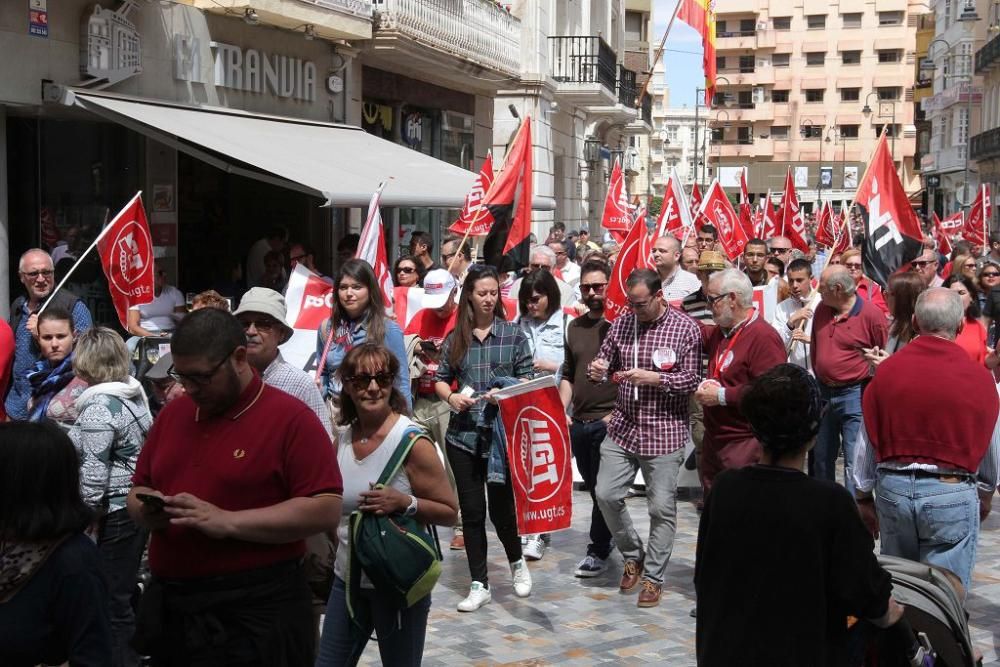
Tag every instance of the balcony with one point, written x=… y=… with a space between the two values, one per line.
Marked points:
x=945 y=160
x=988 y=57
x=737 y=39
x=628 y=92
x=733 y=148
x=450 y=41
x=986 y=145
x=331 y=19
x=585 y=69
x=747 y=76
x=747 y=112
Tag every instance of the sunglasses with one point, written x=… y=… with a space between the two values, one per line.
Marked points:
x=45 y=273
x=853 y=265
x=592 y=287
x=262 y=325
x=546 y=267
x=990 y=274
x=199 y=379
x=920 y=263
x=406 y=269
x=362 y=381
x=780 y=251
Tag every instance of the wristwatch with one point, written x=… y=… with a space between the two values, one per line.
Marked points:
x=411 y=509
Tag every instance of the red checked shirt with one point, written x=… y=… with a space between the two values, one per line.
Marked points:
x=657 y=422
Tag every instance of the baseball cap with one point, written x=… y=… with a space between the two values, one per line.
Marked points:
x=711 y=260
x=268 y=302
x=438 y=285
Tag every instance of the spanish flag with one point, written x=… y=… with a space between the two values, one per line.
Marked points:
x=699 y=15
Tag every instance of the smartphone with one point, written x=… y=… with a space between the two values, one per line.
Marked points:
x=155 y=502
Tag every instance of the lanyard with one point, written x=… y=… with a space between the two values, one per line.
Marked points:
x=713 y=371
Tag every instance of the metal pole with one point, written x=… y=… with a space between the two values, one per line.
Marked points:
x=968 y=142
x=894 y=138
x=696 y=128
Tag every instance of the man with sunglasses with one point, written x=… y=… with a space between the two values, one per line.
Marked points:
x=244 y=473
x=37 y=274
x=457 y=263
x=926 y=265
x=781 y=248
x=301 y=253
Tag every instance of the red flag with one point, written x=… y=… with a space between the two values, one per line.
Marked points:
x=633 y=255
x=538 y=451
x=770 y=219
x=718 y=210
x=832 y=230
x=954 y=223
x=792 y=225
x=309 y=299
x=675 y=216
x=371 y=247
x=616 y=216
x=475 y=219
x=892 y=231
x=977 y=227
x=941 y=237
x=126 y=251
x=695 y=202
x=509 y=199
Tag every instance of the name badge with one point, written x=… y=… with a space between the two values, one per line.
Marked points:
x=664 y=358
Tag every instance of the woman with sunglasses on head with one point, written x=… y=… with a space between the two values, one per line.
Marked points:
x=109 y=434
x=373 y=413
x=54 y=385
x=404 y=272
x=359 y=316
x=482 y=352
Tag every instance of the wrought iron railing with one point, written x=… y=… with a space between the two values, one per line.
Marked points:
x=627 y=90
x=989 y=55
x=986 y=144
x=583 y=60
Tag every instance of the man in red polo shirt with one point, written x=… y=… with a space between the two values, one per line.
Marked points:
x=244 y=473
x=844 y=327
x=741 y=347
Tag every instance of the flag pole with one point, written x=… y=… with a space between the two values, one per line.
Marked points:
x=101 y=235
x=658 y=55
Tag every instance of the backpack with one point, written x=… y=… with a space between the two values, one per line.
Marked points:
x=400 y=556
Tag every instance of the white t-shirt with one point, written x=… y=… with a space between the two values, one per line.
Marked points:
x=158 y=314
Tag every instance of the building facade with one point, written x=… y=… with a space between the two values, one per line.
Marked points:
x=985 y=146
x=679 y=139
x=809 y=86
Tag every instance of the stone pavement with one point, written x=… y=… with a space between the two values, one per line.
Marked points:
x=586 y=621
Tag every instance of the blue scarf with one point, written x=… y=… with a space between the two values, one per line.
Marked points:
x=46 y=382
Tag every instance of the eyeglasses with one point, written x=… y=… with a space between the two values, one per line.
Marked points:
x=45 y=273
x=780 y=251
x=712 y=300
x=406 y=269
x=447 y=258
x=990 y=274
x=853 y=265
x=592 y=287
x=545 y=267
x=362 y=381
x=920 y=263
x=199 y=379
x=262 y=325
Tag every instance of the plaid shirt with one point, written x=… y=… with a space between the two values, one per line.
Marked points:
x=503 y=353
x=656 y=423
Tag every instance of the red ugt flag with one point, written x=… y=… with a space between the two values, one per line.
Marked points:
x=696 y=205
x=633 y=255
x=792 y=225
x=126 y=251
x=977 y=226
x=769 y=219
x=616 y=218
x=538 y=452
x=718 y=210
x=475 y=219
x=940 y=236
x=371 y=247
x=675 y=216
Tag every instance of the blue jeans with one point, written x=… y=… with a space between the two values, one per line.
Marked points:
x=121 y=543
x=586 y=439
x=926 y=520
x=840 y=425
x=400 y=633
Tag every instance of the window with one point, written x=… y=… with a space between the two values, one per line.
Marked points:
x=634 y=27
x=743 y=135
x=888 y=94
x=890 y=130
x=850 y=57
x=720 y=28
x=816 y=21
x=889 y=55
x=781 y=59
x=748 y=26
x=744 y=99
x=851 y=20
x=780 y=96
x=693 y=133
x=890 y=18
x=850 y=94
x=782 y=22
x=720 y=63
x=849 y=131
x=672 y=133
x=814 y=94
x=779 y=132
x=815 y=58
x=716 y=134
x=690 y=166
x=746 y=64
x=811 y=132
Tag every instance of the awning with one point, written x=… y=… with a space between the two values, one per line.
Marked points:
x=342 y=163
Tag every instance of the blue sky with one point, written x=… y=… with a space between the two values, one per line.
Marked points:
x=682 y=54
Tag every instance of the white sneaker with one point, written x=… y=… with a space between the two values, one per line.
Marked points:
x=478 y=596
x=533 y=548
x=522 y=578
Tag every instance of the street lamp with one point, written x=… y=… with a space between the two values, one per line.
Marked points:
x=804 y=128
x=697 y=104
x=591 y=150
x=867 y=111
x=839 y=138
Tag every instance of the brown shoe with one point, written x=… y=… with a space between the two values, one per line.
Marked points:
x=631 y=575
x=649 y=596
x=457 y=542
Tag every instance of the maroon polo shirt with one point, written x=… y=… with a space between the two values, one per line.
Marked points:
x=837 y=339
x=266 y=449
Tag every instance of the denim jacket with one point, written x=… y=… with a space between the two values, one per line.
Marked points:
x=358 y=335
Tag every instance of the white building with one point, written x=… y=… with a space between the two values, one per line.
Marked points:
x=679 y=138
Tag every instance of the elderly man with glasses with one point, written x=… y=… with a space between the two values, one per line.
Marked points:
x=36 y=272
x=543 y=258
x=926 y=265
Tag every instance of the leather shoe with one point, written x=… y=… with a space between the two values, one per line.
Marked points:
x=457 y=542
x=649 y=596
x=631 y=574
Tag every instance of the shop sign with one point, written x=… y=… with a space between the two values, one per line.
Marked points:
x=38 y=18
x=249 y=70
x=110 y=46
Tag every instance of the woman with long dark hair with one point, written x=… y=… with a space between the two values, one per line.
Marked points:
x=972 y=337
x=901 y=297
x=482 y=353
x=375 y=424
x=358 y=317
x=53 y=596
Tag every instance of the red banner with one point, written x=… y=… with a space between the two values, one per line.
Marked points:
x=633 y=255
x=538 y=450
x=475 y=219
x=718 y=210
x=126 y=251
x=308 y=299
x=617 y=216
x=976 y=228
x=793 y=227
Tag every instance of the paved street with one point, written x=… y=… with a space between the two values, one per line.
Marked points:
x=585 y=622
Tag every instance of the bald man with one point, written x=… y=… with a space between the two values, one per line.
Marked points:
x=678 y=284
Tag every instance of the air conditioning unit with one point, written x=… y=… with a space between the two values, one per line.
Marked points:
x=631 y=162
x=762 y=25
x=763 y=62
x=758 y=94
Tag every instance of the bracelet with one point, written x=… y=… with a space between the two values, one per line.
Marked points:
x=448 y=400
